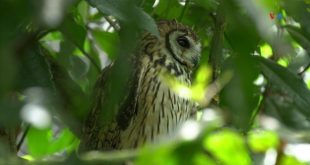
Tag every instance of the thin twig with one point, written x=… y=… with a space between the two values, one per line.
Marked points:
x=21 y=140
x=90 y=58
x=261 y=106
x=112 y=23
x=304 y=70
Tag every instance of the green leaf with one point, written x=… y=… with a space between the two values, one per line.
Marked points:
x=299 y=10
x=34 y=69
x=193 y=18
x=280 y=106
x=208 y=5
x=147 y=5
x=38 y=141
x=71 y=98
x=168 y=9
x=272 y=6
x=228 y=146
x=65 y=141
x=202 y=159
x=52 y=36
x=109 y=42
x=42 y=143
x=158 y=155
x=289 y=160
x=293 y=85
x=19 y=13
x=239 y=98
x=83 y=10
x=240 y=32
x=127 y=12
x=182 y=152
x=79 y=67
x=73 y=31
x=262 y=140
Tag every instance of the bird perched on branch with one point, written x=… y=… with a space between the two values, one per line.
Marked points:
x=151 y=109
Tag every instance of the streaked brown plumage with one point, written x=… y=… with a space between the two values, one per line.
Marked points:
x=152 y=110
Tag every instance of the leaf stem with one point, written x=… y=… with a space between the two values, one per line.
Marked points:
x=90 y=58
x=184 y=9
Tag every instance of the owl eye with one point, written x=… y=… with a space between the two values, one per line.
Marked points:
x=183 y=41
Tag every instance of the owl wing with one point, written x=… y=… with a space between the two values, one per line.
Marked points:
x=99 y=135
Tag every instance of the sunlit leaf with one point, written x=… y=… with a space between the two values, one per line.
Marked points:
x=157 y=156
x=289 y=160
x=202 y=159
x=47 y=144
x=283 y=62
x=266 y=50
x=261 y=141
x=39 y=147
x=229 y=147
x=65 y=141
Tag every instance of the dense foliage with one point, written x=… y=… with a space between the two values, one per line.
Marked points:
x=252 y=83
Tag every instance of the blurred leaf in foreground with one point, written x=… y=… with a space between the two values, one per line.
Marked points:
x=262 y=140
x=229 y=147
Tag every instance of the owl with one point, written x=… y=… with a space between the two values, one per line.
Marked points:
x=152 y=110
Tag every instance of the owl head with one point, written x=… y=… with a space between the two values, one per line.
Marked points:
x=181 y=42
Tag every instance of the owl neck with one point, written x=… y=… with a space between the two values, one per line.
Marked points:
x=167 y=65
